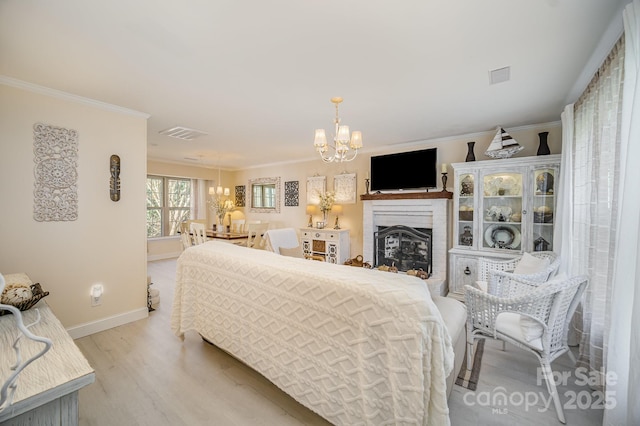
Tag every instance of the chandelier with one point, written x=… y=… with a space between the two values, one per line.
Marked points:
x=345 y=147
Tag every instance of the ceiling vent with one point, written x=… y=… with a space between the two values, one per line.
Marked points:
x=184 y=133
x=499 y=75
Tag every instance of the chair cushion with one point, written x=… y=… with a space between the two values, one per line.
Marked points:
x=292 y=252
x=508 y=323
x=530 y=265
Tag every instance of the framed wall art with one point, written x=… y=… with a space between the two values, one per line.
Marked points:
x=344 y=186
x=316 y=185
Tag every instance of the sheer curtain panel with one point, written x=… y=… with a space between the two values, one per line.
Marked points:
x=589 y=201
x=624 y=338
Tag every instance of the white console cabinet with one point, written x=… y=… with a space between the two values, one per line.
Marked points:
x=331 y=244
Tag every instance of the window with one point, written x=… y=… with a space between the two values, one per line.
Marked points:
x=168 y=205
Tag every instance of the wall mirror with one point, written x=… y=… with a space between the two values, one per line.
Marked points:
x=265 y=195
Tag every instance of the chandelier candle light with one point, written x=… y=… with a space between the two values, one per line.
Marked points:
x=345 y=146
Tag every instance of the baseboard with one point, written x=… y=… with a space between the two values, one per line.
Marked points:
x=162 y=256
x=86 y=329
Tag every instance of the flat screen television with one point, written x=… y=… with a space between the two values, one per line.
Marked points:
x=404 y=170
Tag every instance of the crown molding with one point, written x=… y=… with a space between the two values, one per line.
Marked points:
x=54 y=93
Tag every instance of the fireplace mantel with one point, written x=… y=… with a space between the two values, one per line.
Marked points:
x=408 y=196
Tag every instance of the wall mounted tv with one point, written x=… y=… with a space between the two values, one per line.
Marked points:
x=404 y=170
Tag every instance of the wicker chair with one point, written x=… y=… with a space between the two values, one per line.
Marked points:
x=486 y=266
x=513 y=304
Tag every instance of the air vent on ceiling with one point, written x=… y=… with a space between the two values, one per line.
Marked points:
x=182 y=133
x=499 y=75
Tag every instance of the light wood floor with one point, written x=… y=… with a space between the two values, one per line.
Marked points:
x=145 y=375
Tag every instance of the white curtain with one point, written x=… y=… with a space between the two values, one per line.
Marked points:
x=199 y=188
x=588 y=201
x=624 y=338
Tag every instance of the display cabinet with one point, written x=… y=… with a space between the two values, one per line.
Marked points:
x=330 y=244
x=501 y=209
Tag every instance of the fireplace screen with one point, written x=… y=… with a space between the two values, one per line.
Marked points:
x=402 y=246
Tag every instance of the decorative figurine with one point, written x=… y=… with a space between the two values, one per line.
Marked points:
x=114 y=181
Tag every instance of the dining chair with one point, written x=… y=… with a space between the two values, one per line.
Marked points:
x=530 y=315
x=255 y=235
x=237 y=225
x=185 y=236
x=199 y=232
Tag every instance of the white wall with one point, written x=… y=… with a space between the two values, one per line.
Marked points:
x=106 y=244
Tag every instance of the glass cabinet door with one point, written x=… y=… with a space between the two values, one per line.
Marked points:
x=543 y=210
x=502 y=211
x=466 y=209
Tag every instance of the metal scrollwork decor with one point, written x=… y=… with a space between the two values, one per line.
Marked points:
x=114 y=181
x=56 y=173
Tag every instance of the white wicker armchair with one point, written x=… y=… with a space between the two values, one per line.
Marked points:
x=486 y=266
x=514 y=306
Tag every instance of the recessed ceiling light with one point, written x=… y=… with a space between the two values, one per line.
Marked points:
x=499 y=75
x=181 y=132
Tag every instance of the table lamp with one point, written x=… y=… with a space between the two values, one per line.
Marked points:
x=310 y=210
x=337 y=210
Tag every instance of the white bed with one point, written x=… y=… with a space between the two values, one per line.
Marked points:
x=356 y=346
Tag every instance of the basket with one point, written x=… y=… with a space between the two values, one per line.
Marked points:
x=542 y=217
x=466 y=215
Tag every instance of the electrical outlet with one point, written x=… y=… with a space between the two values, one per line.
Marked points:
x=96 y=300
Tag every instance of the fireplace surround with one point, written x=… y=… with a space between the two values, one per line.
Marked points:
x=421 y=210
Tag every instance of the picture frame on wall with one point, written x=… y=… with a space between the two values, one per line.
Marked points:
x=316 y=185
x=344 y=186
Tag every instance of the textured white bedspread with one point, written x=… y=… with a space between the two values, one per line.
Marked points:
x=357 y=346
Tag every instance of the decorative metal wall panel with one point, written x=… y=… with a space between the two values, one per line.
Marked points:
x=240 y=196
x=56 y=173
x=291 y=193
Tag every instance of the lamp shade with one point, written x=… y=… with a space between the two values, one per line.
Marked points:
x=226 y=192
x=320 y=141
x=212 y=191
x=356 y=140
x=336 y=209
x=311 y=209
x=219 y=190
x=343 y=134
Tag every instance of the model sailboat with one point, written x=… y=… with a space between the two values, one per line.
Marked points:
x=503 y=145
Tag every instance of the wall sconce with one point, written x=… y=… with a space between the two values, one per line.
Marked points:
x=114 y=181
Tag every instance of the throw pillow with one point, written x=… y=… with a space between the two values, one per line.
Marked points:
x=530 y=265
x=292 y=252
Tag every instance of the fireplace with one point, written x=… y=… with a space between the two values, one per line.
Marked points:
x=420 y=211
x=403 y=247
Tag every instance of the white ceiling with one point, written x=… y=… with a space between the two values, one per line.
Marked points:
x=257 y=76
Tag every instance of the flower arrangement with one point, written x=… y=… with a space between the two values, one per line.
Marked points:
x=326 y=202
x=221 y=208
